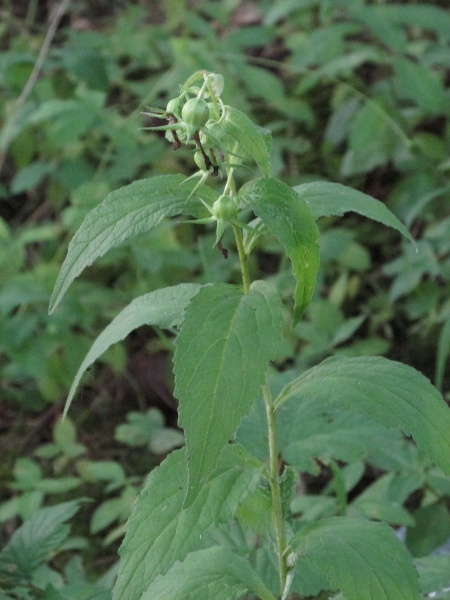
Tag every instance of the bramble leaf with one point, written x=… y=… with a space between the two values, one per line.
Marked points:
x=386 y=391
x=161 y=532
x=163 y=308
x=225 y=343
x=364 y=560
x=326 y=199
x=212 y=573
x=289 y=219
x=126 y=213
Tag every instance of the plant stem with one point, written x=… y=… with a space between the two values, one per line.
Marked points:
x=277 y=509
x=278 y=520
x=242 y=257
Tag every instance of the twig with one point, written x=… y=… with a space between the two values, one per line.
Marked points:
x=57 y=16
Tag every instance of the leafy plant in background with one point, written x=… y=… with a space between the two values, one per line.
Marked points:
x=359 y=114
x=60 y=467
x=356 y=115
x=216 y=519
x=24 y=569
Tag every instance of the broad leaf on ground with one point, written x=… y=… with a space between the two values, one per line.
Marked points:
x=223 y=350
x=32 y=543
x=160 y=531
x=364 y=560
x=215 y=573
x=326 y=199
x=124 y=214
x=389 y=392
x=163 y=308
x=290 y=220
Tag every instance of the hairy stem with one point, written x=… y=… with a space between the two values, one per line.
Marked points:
x=242 y=257
x=277 y=510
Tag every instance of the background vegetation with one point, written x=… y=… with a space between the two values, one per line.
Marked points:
x=356 y=92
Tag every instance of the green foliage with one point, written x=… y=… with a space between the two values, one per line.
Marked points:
x=225 y=343
x=391 y=393
x=212 y=573
x=126 y=213
x=148 y=430
x=354 y=92
x=30 y=545
x=282 y=212
x=23 y=569
x=163 y=308
x=227 y=337
x=331 y=545
x=151 y=551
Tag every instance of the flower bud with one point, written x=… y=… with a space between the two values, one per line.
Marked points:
x=200 y=160
x=195 y=113
x=224 y=208
x=174 y=107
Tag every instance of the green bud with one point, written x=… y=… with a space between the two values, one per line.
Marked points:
x=200 y=160
x=174 y=107
x=224 y=208
x=195 y=113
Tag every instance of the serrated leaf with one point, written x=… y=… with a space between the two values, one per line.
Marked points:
x=215 y=573
x=225 y=343
x=163 y=308
x=126 y=213
x=364 y=560
x=386 y=391
x=326 y=199
x=310 y=430
x=292 y=222
x=35 y=539
x=160 y=531
x=249 y=139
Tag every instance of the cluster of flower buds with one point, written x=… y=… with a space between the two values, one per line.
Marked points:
x=191 y=117
x=195 y=118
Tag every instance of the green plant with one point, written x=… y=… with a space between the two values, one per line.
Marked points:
x=197 y=526
x=61 y=468
x=228 y=335
x=26 y=571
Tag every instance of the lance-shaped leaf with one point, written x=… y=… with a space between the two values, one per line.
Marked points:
x=163 y=308
x=326 y=199
x=215 y=573
x=246 y=138
x=386 y=391
x=126 y=213
x=160 y=531
x=289 y=219
x=225 y=343
x=364 y=560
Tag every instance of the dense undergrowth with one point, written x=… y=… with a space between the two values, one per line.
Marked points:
x=354 y=92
